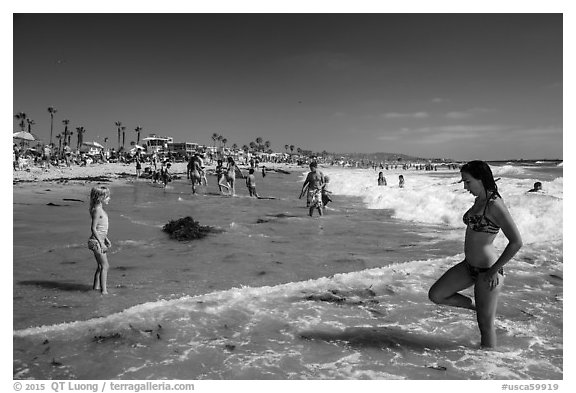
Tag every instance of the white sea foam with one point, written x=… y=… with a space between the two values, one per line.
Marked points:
x=439 y=200
x=384 y=308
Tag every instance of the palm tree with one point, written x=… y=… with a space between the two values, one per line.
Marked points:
x=252 y=145
x=267 y=144
x=292 y=148
x=219 y=139
x=234 y=147
x=65 y=122
x=224 y=141
x=137 y=130
x=286 y=148
x=245 y=148
x=70 y=138
x=118 y=124
x=214 y=138
x=59 y=137
x=123 y=135
x=22 y=117
x=51 y=110
x=259 y=143
x=30 y=122
x=299 y=151
x=80 y=133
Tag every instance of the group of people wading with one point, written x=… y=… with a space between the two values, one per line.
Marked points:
x=226 y=175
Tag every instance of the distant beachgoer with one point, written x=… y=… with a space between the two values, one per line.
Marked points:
x=381 y=179
x=231 y=175
x=263 y=171
x=194 y=171
x=46 y=153
x=155 y=160
x=251 y=183
x=15 y=156
x=221 y=177
x=314 y=182
x=165 y=175
x=325 y=192
x=67 y=154
x=401 y=181
x=204 y=179
x=98 y=241
x=482 y=267
x=189 y=166
x=138 y=167
x=537 y=187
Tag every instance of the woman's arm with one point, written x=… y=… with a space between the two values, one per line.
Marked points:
x=505 y=221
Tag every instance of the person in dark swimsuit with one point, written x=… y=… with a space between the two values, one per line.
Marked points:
x=482 y=266
x=537 y=187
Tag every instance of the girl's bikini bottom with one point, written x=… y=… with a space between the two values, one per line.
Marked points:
x=475 y=271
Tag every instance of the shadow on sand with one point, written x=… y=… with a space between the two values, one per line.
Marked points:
x=63 y=286
x=383 y=337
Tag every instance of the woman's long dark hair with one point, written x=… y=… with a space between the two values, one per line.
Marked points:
x=480 y=170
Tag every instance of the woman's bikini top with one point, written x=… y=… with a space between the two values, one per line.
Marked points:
x=479 y=222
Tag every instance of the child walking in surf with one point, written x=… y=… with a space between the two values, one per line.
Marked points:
x=98 y=241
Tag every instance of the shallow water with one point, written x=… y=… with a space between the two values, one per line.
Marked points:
x=277 y=294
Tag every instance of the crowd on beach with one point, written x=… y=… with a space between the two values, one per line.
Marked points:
x=482 y=267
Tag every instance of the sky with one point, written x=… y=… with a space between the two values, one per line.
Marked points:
x=462 y=86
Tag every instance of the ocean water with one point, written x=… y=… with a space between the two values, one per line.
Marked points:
x=277 y=294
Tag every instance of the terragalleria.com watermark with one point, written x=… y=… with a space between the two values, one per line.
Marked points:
x=107 y=386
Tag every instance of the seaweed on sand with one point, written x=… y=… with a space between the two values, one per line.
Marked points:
x=187 y=229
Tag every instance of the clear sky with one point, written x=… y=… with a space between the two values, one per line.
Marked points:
x=464 y=86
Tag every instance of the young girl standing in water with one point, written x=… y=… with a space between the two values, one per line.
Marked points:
x=99 y=242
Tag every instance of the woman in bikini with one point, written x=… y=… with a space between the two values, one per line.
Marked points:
x=231 y=175
x=194 y=172
x=98 y=241
x=221 y=177
x=482 y=266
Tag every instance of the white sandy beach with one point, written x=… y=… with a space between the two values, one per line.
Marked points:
x=111 y=170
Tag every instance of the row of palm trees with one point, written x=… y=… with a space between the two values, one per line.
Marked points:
x=291 y=147
x=64 y=137
x=122 y=131
x=258 y=145
x=25 y=123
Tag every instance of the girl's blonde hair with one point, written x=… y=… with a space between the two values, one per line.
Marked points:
x=97 y=195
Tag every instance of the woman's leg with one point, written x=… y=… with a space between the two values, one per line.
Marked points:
x=486 y=304
x=232 y=186
x=445 y=290
x=222 y=185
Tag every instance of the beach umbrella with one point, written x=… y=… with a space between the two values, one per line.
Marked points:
x=93 y=144
x=23 y=135
x=135 y=149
